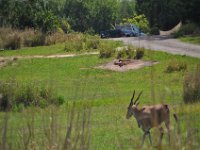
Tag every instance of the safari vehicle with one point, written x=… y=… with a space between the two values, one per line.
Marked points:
x=126 y=30
x=130 y=30
x=111 y=33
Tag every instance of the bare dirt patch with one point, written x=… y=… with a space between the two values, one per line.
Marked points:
x=6 y=60
x=133 y=65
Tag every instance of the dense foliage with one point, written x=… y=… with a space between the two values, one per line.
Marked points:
x=167 y=13
x=138 y=20
x=93 y=16
x=49 y=15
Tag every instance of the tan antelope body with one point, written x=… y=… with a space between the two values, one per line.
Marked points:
x=150 y=116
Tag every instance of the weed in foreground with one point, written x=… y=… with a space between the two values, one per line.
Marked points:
x=49 y=134
x=191 y=87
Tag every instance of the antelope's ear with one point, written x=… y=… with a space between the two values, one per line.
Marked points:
x=137 y=103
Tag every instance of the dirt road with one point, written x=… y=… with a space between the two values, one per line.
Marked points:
x=162 y=43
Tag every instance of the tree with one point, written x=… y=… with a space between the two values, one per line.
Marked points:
x=167 y=13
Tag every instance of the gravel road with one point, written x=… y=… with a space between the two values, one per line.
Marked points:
x=163 y=43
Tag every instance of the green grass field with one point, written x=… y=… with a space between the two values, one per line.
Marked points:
x=192 y=40
x=107 y=93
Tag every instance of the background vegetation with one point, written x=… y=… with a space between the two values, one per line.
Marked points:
x=50 y=15
x=166 y=14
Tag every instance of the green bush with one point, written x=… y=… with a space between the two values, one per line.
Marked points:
x=121 y=54
x=15 y=96
x=130 y=52
x=187 y=29
x=139 y=53
x=92 y=42
x=65 y=26
x=191 y=87
x=47 y=21
x=106 y=50
x=154 y=31
x=140 y=21
x=175 y=65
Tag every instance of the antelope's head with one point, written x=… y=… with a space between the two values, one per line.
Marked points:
x=133 y=105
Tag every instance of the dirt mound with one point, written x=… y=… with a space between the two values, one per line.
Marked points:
x=133 y=65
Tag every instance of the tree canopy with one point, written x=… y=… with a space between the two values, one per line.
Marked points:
x=94 y=15
x=167 y=13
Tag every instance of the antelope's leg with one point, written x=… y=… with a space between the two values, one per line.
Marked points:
x=161 y=135
x=143 y=138
x=149 y=137
x=167 y=124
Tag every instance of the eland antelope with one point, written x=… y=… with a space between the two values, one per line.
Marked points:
x=151 y=116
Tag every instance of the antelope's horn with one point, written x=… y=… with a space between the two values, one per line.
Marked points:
x=131 y=103
x=138 y=97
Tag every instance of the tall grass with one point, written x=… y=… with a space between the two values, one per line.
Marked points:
x=191 y=86
x=15 y=39
x=53 y=133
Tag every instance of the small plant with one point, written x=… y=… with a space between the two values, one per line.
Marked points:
x=121 y=54
x=15 y=96
x=187 y=29
x=106 y=50
x=92 y=42
x=191 y=87
x=139 y=53
x=130 y=52
x=175 y=65
x=140 y=21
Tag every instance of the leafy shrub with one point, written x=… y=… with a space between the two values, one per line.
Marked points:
x=121 y=54
x=46 y=21
x=91 y=42
x=139 y=53
x=15 y=96
x=126 y=52
x=140 y=21
x=155 y=31
x=188 y=29
x=175 y=65
x=106 y=50
x=131 y=52
x=191 y=87
x=60 y=100
x=64 y=24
